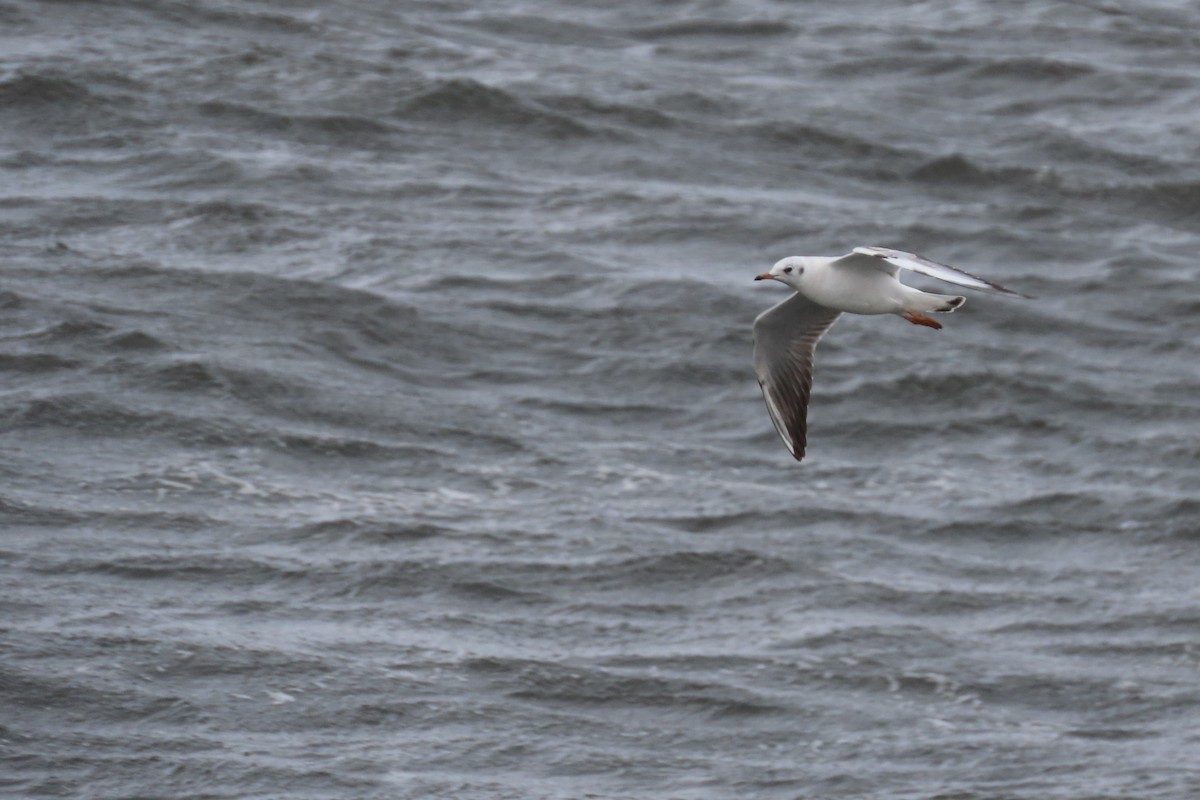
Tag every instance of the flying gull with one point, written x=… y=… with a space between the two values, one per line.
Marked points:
x=862 y=282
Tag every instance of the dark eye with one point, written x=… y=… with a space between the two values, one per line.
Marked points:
x=788 y=270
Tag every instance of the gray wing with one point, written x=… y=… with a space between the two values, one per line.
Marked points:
x=898 y=259
x=785 y=336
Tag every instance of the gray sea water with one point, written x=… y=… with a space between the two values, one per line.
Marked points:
x=378 y=419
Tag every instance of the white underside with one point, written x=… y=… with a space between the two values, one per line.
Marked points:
x=860 y=291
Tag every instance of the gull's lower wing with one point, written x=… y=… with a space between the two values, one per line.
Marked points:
x=785 y=337
x=898 y=259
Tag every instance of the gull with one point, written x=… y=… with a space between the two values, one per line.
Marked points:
x=862 y=282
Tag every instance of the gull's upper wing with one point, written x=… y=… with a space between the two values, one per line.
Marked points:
x=785 y=336
x=898 y=259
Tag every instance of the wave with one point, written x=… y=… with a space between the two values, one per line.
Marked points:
x=95 y=413
x=22 y=512
x=519 y=27
x=959 y=169
x=477 y=105
x=709 y=28
x=1173 y=201
x=685 y=567
x=575 y=685
x=608 y=113
x=104 y=104
x=357 y=529
x=1177 y=200
x=1032 y=68
x=37 y=92
x=811 y=141
x=346 y=130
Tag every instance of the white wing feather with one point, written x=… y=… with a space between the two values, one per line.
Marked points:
x=919 y=264
x=785 y=337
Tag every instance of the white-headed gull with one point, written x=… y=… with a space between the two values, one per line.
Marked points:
x=862 y=282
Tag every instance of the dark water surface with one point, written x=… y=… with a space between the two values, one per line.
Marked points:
x=378 y=418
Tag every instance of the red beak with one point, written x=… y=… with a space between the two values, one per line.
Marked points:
x=766 y=276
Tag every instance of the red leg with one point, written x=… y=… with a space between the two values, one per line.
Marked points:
x=921 y=319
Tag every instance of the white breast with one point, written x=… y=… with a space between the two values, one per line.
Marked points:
x=856 y=291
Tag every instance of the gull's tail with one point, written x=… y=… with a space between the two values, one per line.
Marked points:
x=925 y=302
x=921 y=302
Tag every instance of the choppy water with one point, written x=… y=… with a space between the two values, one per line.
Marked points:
x=378 y=419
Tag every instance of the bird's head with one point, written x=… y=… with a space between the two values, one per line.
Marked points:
x=789 y=271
